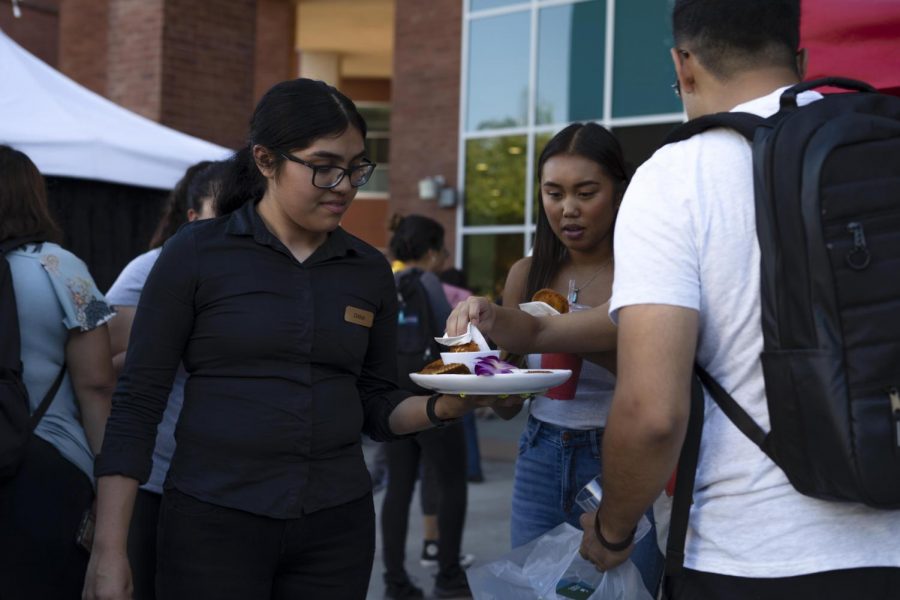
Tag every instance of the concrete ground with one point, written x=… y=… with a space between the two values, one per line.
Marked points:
x=487 y=520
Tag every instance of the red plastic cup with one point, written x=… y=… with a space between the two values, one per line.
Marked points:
x=562 y=360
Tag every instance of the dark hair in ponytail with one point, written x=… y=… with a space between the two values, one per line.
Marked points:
x=414 y=236
x=590 y=141
x=292 y=115
x=199 y=181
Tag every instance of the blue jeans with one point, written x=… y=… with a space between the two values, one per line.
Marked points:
x=553 y=464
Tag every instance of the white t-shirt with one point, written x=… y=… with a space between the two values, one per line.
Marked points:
x=686 y=236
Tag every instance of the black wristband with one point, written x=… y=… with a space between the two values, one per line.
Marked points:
x=612 y=547
x=432 y=416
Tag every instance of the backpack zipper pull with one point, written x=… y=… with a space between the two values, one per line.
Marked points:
x=894 y=395
x=858 y=258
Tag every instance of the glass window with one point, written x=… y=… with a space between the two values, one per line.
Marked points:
x=378 y=117
x=498 y=72
x=495 y=181
x=488 y=258
x=639 y=143
x=484 y=4
x=643 y=69
x=570 y=62
x=378 y=146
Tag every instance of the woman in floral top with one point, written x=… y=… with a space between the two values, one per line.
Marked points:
x=62 y=322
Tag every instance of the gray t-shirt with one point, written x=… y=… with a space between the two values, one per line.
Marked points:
x=126 y=291
x=54 y=295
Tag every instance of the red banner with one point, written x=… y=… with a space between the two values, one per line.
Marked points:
x=859 y=39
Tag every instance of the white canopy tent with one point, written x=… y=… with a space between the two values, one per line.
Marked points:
x=69 y=131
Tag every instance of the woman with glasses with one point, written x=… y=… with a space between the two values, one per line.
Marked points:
x=286 y=326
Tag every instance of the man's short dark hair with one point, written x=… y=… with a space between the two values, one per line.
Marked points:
x=730 y=36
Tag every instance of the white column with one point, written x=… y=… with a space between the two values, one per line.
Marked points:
x=321 y=65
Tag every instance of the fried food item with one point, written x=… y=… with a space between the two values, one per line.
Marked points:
x=439 y=368
x=470 y=347
x=554 y=299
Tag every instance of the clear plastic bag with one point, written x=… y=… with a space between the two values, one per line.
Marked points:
x=550 y=568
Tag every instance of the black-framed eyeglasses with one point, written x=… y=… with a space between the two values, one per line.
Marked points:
x=327 y=177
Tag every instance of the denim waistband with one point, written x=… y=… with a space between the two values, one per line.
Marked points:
x=562 y=435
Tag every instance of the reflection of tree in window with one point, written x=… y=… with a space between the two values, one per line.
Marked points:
x=495 y=180
x=487 y=260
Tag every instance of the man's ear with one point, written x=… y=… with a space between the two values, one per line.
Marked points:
x=684 y=69
x=801 y=58
x=264 y=161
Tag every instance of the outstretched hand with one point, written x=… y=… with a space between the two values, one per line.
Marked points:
x=477 y=310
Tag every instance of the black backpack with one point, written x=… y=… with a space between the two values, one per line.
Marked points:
x=16 y=422
x=416 y=329
x=827 y=193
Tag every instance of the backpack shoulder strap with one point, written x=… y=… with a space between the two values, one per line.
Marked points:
x=11 y=244
x=38 y=414
x=684 y=483
x=743 y=123
x=736 y=414
x=5 y=247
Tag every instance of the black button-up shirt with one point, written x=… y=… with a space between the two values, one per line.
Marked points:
x=288 y=362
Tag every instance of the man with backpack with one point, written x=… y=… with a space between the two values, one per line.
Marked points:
x=716 y=247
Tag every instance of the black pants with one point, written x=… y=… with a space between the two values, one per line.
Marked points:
x=209 y=551
x=859 y=584
x=41 y=508
x=142 y=544
x=445 y=450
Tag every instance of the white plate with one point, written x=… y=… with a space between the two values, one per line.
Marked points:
x=522 y=381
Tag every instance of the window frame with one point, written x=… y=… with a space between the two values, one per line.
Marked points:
x=531 y=130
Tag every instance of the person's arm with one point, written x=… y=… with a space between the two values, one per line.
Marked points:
x=647 y=422
x=520 y=333
x=410 y=415
x=108 y=574
x=90 y=369
x=162 y=325
x=119 y=334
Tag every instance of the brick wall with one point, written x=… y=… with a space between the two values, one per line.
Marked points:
x=84 y=37
x=425 y=104
x=276 y=58
x=188 y=64
x=134 y=58
x=36 y=30
x=207 y=68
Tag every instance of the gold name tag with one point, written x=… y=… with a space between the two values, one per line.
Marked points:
x=359 y=316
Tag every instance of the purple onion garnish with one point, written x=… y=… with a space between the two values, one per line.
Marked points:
x=491 y=365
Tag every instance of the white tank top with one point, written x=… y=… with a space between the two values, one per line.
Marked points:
x=590 y=406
